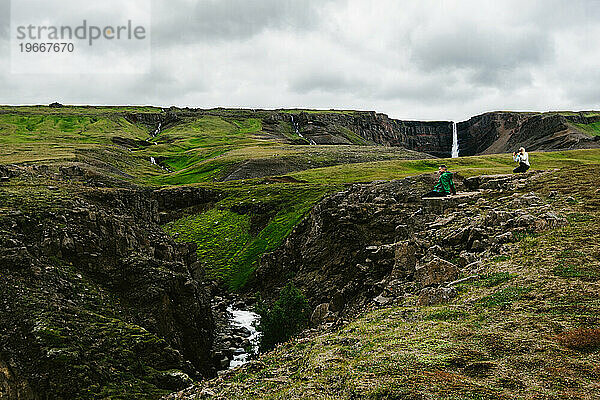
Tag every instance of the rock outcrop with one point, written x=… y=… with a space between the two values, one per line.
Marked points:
x=363 y=127
x=95 y=295
x=380 y=242
x=501 y=132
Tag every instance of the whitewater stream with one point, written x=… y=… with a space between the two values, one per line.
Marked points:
x=295 y=125
x=248 y=320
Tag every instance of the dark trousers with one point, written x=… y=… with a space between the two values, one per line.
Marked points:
x=433 y=193
x=521 y=168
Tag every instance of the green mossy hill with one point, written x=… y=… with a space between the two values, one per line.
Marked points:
x=187 y=146
x=103 y=256
x=257 y=215
x=525 y=326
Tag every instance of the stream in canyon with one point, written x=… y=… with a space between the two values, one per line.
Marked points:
x=245 y=321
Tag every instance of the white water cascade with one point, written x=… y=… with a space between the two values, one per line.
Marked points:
x=157 y=131
x=153 y=161
x=454 y=140
x=295 y=125
x=248 y=320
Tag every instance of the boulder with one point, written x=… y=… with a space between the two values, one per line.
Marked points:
x=549 y=221
x=337 y=301
x=319 y=314
x=431 y=296
x=382 y=300
x=436 y=272
x=405 y=260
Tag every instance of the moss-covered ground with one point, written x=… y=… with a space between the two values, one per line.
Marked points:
x=591 y=129
x=254 y=215
x=77 y=336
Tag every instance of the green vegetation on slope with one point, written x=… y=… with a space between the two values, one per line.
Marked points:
x=232 y=258
x=287 y=317
x=250 y=220
x=194 y=146
x=465 y=166
x=76 y=129
x=591 y=129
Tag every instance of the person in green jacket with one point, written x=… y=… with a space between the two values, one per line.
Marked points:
x=445 y=185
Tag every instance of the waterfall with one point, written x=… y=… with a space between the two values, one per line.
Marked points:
x=454 y=140
x=154 y=162
x=247 y=320
x=157 y=131
x=295 y=125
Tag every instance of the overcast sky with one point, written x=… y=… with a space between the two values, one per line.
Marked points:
x=432 y=60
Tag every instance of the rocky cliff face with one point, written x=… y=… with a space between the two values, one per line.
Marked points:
x=501 y=132
x=434 y=138
x=379 y=242
x=96 y=297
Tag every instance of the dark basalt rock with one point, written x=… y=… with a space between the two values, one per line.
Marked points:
x=502 y=132
x=94 y=291
x=152 y=120
x=369 y=127
x=374 y=243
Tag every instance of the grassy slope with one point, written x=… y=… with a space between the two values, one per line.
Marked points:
x=201 y=148
x=466 y=166
x=386 y=352
x=231 y=240
x=209 y=146
x=591 y=129
x=514 y=333
x=231 y=258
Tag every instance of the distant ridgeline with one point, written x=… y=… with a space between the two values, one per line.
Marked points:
x=494 y=132
x=332 y=127
x=195 y=145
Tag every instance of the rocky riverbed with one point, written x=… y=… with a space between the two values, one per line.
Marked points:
x=236 y=334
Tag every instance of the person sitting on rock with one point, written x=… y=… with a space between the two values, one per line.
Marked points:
x=445 y=185
x=523 y=159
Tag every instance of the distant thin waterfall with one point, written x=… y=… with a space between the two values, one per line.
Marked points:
x=295 y=125
x=157 y=131
x=454 y=140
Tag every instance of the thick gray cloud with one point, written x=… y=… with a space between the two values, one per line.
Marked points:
x=427 y=59
x=224 y=20
x=491 y=57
